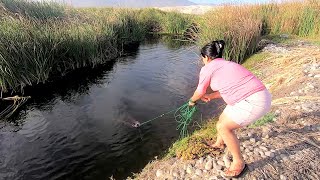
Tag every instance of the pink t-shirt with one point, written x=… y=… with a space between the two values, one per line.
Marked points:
x=233 y=81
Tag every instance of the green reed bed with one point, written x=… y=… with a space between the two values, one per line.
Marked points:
x=243 y=26
x=41 y=40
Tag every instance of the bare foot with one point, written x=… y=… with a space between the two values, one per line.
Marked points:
x=218 y=146
x=235 y=169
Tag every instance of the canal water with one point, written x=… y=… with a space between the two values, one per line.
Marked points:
x=79 y=127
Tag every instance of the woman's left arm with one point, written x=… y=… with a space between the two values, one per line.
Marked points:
x=196 y=96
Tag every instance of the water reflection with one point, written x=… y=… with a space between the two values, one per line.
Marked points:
x=79 y=127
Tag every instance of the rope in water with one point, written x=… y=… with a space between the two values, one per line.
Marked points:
x=183 y=116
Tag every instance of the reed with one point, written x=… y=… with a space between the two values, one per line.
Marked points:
x=243 y=26
x=43 y=40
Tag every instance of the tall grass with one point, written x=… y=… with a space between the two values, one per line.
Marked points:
x=243 y=26
x=40 y=40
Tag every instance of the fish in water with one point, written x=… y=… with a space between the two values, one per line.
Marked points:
x=129 y=120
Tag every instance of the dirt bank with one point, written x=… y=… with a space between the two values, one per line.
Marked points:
x=288 y=147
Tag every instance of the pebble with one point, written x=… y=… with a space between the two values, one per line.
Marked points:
x=310 y=75
x=200 y=161
x=250 y=134
x=217 y=166
x=213 y=178
x=208 y=165
x=189 y=169
x=252 y=140
x=198 y=172
x=159 y=173
x=317 y=76
x=221 y=163
x=270 y=154
x=297 y=108
x=182 y=173
x=277 y=112
x=282 y=177
x=175 y=174
x=263 y=148
x=245 y=157
x=293 y=93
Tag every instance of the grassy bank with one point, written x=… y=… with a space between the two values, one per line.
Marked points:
x=44 y=39
x=243 y=26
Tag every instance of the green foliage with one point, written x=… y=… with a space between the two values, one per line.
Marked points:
x=264 y=120
x=194 y=145
x=42 y=39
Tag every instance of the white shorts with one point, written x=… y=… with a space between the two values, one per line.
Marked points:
x=250 y=109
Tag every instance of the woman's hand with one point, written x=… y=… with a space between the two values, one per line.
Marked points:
x=206 y=98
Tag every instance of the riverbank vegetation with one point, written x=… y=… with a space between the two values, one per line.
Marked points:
x=243 y=26
x=41 y=40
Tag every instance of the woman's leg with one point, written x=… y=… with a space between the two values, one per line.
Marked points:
x=219 y=142
x=226 y=129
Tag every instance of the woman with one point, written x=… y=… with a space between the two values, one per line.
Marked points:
x=246 y=97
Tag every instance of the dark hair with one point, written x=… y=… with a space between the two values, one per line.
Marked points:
x=213 y=50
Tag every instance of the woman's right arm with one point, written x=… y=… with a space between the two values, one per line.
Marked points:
x=209 y=97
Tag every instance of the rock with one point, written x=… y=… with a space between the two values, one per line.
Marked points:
x=258 y=143
x=189 y=169
x=311 y=86
x=317 y=76
x=263 y=156
x=282 y=177
x=247 y=150
x=277 y=112
x=297 y=107
x=250 y=148
x=269 y=154
x=245 y=157
x=261 y=152
x=252 y=140
x=198 y=172
x=182 y=173
x=263 y=148
x=159 y=173
x=310 y=75
x=220 y=162
x=208 y=165
x=213 y=178
x=250 y=134
x=217 y=166
x=293 y=93
x=200 y=161
x=175 y=174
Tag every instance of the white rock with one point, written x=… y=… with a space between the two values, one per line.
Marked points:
x=282 y=177
x=201 y=160
x=198 y=172
x=270 y=154
x=252 y=140
x=263 y=148
x=189 y=169
x=277 y=112
x=221 y=163
x=310 y=75
x=213 y=178
x=317 y=76
x=175 y=174
x=208 y=165
x=293 y=93
x=159 y=173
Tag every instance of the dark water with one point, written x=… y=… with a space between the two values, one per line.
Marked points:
x=79 y=127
